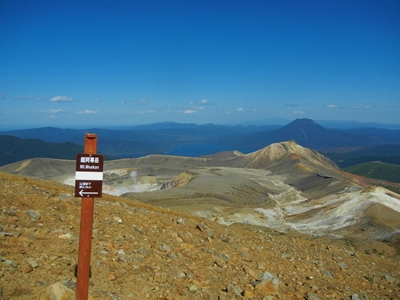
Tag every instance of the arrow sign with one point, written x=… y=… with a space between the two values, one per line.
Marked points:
x=87 y=193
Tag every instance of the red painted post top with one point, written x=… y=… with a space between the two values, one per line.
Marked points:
x=90 y=143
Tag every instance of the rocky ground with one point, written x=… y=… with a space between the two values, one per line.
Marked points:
x=145 y=252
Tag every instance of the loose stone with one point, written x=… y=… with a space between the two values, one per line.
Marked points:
x=342 y=265
x=233 y=290
x=11 y=263
x=354 y=297
x=27 y=268
x=389 y=278
x=203 y=228
x=268 y=285
x=327 y=273
x=33 y=214
x=193 y=288
x=312 y=296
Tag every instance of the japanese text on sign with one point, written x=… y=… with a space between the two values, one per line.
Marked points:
x=90 y=159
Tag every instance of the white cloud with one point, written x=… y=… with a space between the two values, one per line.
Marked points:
x=240 y=109
x=31 y=97
x=123 y=102
x=189 y=111
x=61 y=99
x=87 y=112
x=298 y=112
x=368 y=106
x=200 y=108
x=202 y=103
x=147 y=112
x=143 y=102
x=51 y=111
x=332 y=106
x=355 y=107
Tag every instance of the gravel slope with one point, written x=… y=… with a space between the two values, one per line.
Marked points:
x=144 y=252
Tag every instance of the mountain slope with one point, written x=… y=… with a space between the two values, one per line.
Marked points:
x=284 y=186
x=50 y=134
x=278 y=151
x=377 y=170
x=378 y=134
x=14 y=149
x=349 y=157
x=145 y=252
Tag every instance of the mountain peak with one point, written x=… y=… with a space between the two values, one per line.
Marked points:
x=303 y=122
x=303 y=131
x=279 y=151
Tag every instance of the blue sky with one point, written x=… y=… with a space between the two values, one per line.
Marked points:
x=106 y=63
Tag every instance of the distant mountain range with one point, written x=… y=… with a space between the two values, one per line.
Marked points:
x=188 y=139
x=309 y=134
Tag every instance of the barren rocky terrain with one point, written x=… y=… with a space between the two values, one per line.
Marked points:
x=279 y=223
x=283 y=186
x=144 y=252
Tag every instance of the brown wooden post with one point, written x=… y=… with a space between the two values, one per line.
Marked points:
x=86 y=228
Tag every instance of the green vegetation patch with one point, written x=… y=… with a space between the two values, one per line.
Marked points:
x=389 y=154
x=376 y=170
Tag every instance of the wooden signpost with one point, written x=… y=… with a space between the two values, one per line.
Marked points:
x=88 y=184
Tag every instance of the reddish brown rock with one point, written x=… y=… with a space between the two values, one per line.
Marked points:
x=268 y=285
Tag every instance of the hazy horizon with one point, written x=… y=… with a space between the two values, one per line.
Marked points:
x=345 y=124
x=79 y=64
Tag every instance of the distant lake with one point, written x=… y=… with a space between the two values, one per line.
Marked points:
x=198 y=149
